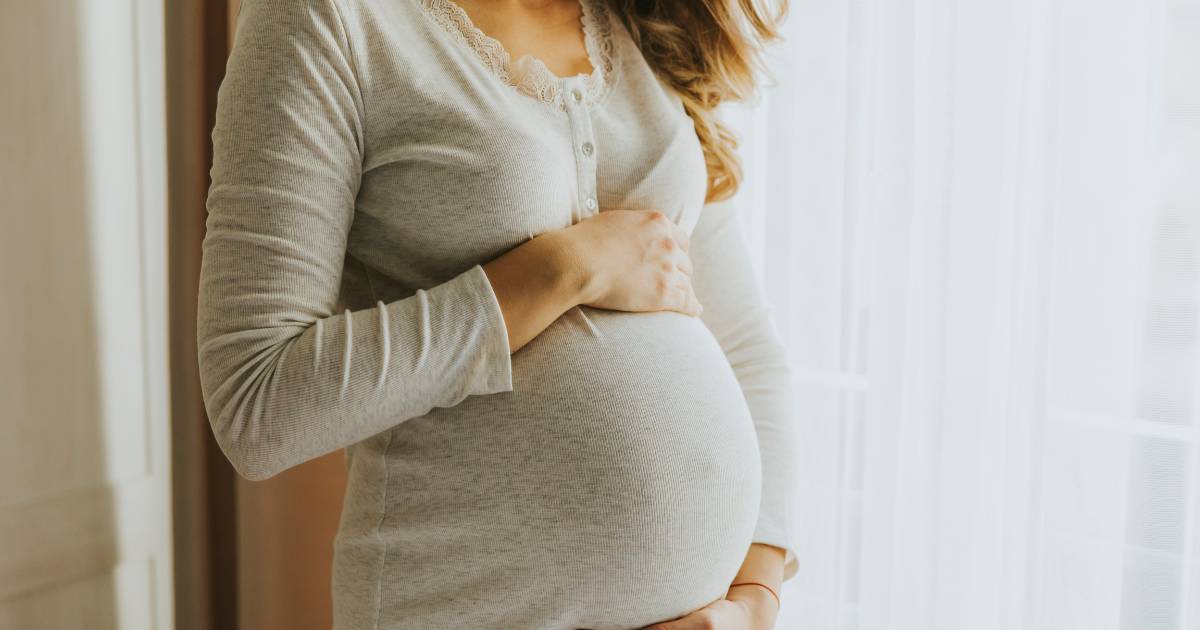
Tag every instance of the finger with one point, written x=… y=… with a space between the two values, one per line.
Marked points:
x=683 y=263
x=686 y=301
x=681 y=236
x=677 y=263
x=702 y=618
x=658 y=217
x=669 y=244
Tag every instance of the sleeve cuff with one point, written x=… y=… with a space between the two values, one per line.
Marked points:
x=495 y=370
x=777 y=535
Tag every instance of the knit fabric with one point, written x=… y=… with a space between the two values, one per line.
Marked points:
x=369 y=156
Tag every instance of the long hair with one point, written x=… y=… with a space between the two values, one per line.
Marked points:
x=710 y=52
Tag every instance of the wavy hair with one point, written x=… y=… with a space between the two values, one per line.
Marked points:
x=710 y=52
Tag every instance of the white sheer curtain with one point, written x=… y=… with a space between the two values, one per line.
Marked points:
x=979 y=224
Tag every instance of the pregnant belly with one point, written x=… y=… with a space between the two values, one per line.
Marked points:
x=619 y=480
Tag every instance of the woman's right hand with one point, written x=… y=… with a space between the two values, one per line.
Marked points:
x=633 y=260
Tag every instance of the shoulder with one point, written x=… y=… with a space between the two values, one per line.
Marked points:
x=358 y=28
x=298 y=23
x=290 y=12
x=286 y=38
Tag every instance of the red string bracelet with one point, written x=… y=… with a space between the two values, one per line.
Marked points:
x=769 y=589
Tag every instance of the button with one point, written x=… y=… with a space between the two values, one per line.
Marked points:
x=588 y=148
x=576 y=95
x=590 y=203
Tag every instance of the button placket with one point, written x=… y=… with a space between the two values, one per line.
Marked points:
x=583 y=144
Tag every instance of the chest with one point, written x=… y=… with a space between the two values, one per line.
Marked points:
x=550 y=32
x=460 y=166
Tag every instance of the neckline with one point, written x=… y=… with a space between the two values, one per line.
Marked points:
x=528 y=75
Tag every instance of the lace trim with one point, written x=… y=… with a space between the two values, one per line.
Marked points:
x=529 y=75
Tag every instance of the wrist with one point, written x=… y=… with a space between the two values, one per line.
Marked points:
x=570 y=265
x=759 y=604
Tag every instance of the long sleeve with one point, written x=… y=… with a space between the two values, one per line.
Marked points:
x=285 y=378
x=739 y=316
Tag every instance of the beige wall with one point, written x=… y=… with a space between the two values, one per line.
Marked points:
x=84 y=466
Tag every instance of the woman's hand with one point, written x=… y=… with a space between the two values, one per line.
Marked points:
x=626 y=260
x=635 y=260
x=741 y=609
x=747 y=606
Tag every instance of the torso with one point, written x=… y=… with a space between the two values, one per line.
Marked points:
x=617 y=484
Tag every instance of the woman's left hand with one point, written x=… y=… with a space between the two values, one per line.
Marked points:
x=741 y=610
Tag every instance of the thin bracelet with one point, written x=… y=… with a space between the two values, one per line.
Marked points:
x=769 y=590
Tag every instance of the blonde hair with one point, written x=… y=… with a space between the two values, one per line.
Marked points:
x=710 y=52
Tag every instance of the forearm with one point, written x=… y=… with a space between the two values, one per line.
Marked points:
x=763 y=564
x=535 y=283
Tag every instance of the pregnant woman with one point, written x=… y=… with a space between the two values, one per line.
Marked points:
x=483 y=246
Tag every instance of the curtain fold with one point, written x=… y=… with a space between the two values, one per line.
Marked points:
x=979 y=224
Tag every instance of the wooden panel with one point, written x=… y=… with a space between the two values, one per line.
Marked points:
x=205 y=571
x=286 y=526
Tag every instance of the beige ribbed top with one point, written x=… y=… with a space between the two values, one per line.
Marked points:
x=369 y=155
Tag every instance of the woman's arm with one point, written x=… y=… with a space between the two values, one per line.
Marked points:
x=745 y=606
x=285 y=378
x=737 y=312
x=763 y=566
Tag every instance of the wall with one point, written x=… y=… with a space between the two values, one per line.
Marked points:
x=84 y=492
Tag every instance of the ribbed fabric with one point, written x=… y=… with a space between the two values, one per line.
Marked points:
x=368 y=158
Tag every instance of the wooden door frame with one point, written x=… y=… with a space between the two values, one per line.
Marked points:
x=203 y=483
